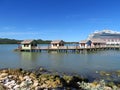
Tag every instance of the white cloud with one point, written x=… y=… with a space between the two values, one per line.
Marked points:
x=20 y=33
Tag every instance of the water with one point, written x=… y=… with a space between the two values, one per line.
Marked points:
x=62 y=62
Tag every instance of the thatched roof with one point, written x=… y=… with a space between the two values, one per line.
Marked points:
x=57 y=41
x=27 y=41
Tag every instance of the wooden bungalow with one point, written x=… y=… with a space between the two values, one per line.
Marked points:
x=85 y=43
x=57 y=43
x=28 y=44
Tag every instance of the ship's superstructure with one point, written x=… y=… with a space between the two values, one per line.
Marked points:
x=109 y=36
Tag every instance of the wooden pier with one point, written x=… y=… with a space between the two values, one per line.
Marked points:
x=58 y=46
x=66 y=49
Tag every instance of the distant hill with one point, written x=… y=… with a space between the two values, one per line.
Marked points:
x=9 y=41
x=39 y=41
x=14 y=41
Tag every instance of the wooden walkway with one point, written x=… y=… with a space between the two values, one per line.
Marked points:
x=66 y=49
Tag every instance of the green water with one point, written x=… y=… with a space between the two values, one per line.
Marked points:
x=61 y=62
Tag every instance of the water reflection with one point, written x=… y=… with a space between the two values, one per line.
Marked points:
x=57 y=59
x=28 y=56
x=28 y=60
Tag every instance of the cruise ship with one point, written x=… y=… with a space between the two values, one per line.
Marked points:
x=109 y=36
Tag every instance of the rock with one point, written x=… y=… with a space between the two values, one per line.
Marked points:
x=10 y=84
x=42 y=69
x=44 y=77
x=21 y=78
x=3 y=75
x=118 y=73
x=67 y=78
x=118 y=85
x=110 y=84
x=50 y=81
x=32 y=75
x=27 y=73
x=26 y=77
x=23 y=72
x=23 y=84
x=18 y=82
x=96 y=72
x=44 y=86
x=108 y=88
x=13 y=81
x=103 y=73
x=15 y=72
x=71 y=81
x=28 y=80
x=2 y=87
x=10 y=76
x=35 y=84
x=5 y=71
x=16 y=87
x=6 y=84
x=94 y=83
x=37 y=88
x=2 y=79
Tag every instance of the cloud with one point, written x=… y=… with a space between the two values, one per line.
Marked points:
x=20 y=33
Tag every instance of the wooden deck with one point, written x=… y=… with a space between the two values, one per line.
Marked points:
x=68 y=48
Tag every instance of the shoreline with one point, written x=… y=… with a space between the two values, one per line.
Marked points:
x=41 y=79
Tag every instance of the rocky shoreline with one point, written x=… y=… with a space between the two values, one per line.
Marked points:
x=41 y=79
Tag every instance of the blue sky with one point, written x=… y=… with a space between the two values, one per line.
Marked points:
x=69 y=20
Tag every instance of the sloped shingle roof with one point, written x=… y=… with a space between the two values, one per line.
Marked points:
x=57 y=41
x=83 y=41
x=27 y=41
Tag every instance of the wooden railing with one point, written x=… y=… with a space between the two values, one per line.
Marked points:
x=74 y=47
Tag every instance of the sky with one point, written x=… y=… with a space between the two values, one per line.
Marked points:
x=68 y=20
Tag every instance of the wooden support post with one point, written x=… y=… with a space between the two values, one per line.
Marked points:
x=66 y=49
x=48 y=50
x=76 y=50
x=57 y=49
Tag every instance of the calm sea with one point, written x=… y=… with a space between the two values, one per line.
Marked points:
x=61 y=62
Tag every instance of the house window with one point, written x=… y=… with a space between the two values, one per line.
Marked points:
x=54 y=44
x=34 y=44
x=26 y=45
x=61 y=44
